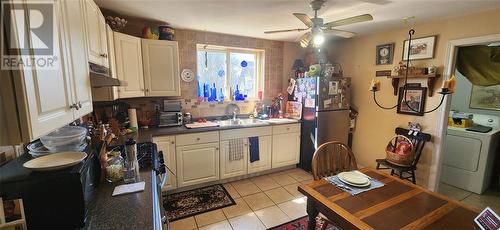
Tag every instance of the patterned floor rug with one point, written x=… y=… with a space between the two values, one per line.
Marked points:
x=189 y=203
x=301 y=224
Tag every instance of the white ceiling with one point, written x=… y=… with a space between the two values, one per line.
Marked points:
x=252 y=17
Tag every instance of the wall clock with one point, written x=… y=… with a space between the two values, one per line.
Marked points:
x=384 y=54
x=187 y=75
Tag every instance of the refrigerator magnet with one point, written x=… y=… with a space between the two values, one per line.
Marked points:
x=333 y=87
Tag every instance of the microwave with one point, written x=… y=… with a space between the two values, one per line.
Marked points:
x=170 y=119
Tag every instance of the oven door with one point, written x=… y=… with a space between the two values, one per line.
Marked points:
x=170 y=119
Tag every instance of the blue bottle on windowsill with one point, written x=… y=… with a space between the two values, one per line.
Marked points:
x=213 y=94
x=205 y=91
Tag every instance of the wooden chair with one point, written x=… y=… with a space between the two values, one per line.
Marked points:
x=329 y=159
x=418 y=142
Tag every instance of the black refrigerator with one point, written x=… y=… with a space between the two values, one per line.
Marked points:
x=325 y=113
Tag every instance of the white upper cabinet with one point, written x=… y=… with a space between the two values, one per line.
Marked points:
x=76 y=56
x=108 y=93
x=161 y=67
x=96 y=34
x=128 y=60
x=48 y=98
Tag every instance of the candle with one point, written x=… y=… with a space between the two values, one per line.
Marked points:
x=375 y=85
x=450 y=84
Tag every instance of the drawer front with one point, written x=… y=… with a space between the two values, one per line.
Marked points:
x=197 y=138
x=290 y=128
x=245 y=132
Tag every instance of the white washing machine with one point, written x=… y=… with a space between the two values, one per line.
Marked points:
x=468 y=157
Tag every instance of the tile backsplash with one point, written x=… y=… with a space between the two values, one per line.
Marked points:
x=197 y=109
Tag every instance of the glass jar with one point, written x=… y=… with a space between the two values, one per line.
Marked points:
x=114 y=168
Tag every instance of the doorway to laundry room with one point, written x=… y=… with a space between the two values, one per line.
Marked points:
x=470 y=158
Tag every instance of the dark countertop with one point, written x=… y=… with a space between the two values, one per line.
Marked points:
x=146 y=135
x=129 y=211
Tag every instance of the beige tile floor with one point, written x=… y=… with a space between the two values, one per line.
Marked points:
x=261 y=202
x=490 y=198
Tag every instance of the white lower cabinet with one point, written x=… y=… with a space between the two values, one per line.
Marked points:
x=167 y=146
x=264 y=162
x=231 y=168
x=286 y=149
x=197 y=163
x=197 y=158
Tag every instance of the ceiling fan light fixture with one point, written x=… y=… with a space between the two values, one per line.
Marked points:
x=318 y=39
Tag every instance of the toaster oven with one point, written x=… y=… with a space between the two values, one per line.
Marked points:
x=170 y=119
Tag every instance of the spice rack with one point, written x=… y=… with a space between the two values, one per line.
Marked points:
x=431 y=80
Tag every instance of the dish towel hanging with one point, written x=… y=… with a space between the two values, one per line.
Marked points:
x=254 y=149
x=235 y=149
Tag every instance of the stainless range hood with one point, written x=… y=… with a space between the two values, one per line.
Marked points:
x=100 y=77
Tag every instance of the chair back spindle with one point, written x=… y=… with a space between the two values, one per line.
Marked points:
x=331 y=158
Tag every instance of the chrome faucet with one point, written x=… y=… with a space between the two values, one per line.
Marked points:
x=234 y=114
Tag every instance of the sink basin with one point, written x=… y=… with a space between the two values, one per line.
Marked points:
x=240 y=122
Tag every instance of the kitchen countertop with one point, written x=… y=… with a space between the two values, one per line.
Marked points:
x=146 y=135
x=129 y=211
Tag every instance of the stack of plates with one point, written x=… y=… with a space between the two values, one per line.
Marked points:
x=354 y=179
x=36 y=149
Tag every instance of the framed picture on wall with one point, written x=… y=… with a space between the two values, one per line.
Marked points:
x=415 y=99
x=485 y=97
x=12 y=214
x=384 y=54
x=421 y=48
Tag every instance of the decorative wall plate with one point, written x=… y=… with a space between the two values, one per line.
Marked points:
x=187 y=75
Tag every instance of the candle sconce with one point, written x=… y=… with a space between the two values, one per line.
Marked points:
x=447 y=88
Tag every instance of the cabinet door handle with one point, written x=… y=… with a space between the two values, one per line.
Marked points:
x=172 y=142
x=147 y=90
x=104 y=55
x=216 y=148
x=197 y=138
x=80 y=104
x=73 y=106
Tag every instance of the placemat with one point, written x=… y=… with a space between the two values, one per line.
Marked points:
x=351 y=189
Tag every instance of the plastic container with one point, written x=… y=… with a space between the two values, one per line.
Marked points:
x=65 y=138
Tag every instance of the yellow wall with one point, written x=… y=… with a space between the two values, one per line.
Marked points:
x=357 y=56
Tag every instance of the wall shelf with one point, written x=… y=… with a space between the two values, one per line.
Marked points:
x=431 y=80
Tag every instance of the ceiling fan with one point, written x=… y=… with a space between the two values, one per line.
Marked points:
x=318 y=28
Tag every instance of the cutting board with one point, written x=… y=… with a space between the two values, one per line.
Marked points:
x=196 y=125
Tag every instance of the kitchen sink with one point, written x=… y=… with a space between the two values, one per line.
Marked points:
x=241 y=122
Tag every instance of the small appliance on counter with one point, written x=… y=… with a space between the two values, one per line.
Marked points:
x=171 y=115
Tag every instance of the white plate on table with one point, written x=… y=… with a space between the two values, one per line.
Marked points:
x=55 y=161
x=354 y=179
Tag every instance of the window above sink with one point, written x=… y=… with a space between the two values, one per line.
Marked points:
x=229 y=73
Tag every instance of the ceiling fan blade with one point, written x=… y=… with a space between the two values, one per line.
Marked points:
x=351 y=20
x=281 y=31
x=305 y=39
x=304 y=18
x=378 y=2
x=340 y=33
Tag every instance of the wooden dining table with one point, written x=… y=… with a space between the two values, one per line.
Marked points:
x=398 y=204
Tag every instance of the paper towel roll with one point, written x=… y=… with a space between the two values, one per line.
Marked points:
x=132 y=116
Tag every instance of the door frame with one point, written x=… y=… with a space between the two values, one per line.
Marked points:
x=443 y=112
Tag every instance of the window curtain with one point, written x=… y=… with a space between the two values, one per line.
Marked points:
x=480 y=64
